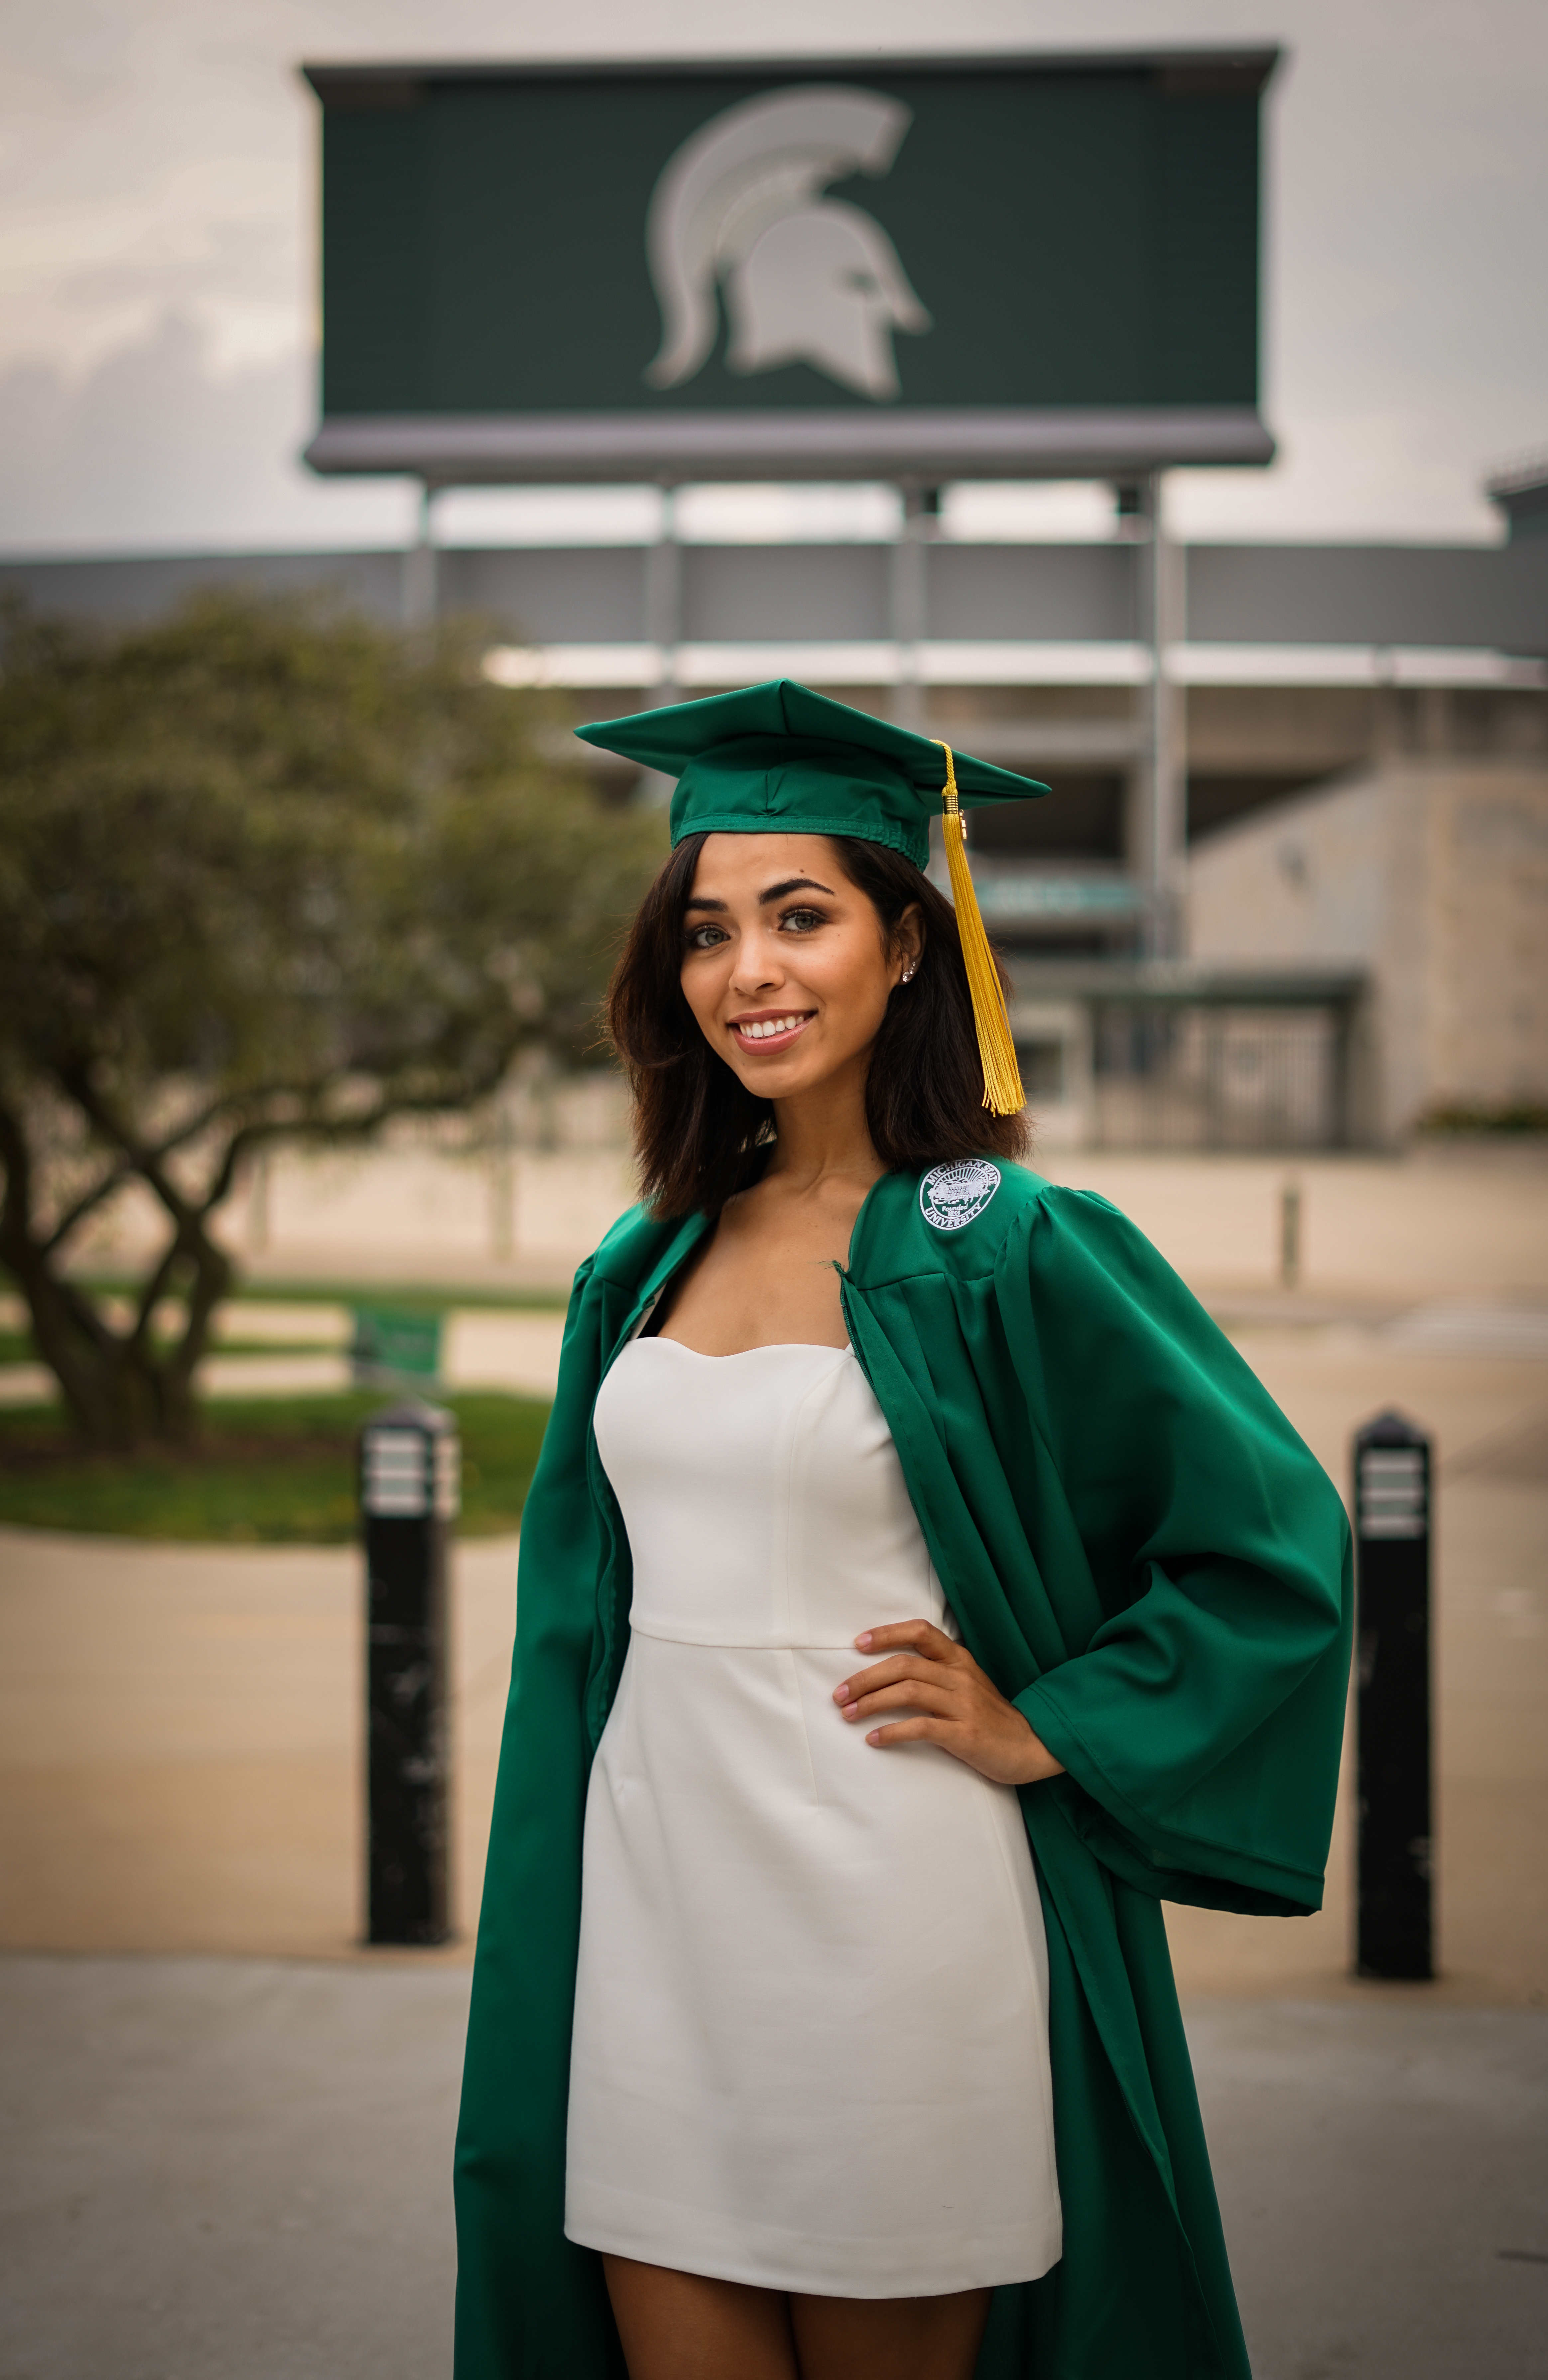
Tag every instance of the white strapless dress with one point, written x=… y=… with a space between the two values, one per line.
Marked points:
x=810 y=2045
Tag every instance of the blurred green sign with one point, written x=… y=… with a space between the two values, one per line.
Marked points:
x=390 y=1345
x=973 y=263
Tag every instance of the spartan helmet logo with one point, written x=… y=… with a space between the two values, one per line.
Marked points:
x=807 y=279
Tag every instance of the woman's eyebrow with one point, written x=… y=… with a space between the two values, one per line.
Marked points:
x=775 y=893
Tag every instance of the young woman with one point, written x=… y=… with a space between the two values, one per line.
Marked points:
x=916 y=1589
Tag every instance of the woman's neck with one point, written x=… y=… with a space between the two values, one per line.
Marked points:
x=822 y=1136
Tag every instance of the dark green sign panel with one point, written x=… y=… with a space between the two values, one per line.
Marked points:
x=563 y=271
x=389 y=1345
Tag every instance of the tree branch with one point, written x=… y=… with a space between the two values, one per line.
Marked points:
x=362 y=1126
x=76 y=1080
x=113 y=1180
x=62 y=1318
x=15 y=1208
x=129 y=1166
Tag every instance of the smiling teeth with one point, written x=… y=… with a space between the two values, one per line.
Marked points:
x=768 y=1028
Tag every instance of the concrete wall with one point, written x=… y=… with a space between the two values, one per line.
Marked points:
x=1455 y=595
x=1434 y=877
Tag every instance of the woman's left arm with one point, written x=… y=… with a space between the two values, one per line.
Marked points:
x=1218 y=1548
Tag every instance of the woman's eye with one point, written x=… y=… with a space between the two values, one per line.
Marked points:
x=801 y=921
x=704 y=938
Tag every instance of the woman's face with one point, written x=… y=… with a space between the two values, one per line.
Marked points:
x=783 y=964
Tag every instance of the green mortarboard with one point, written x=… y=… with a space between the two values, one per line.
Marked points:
x=779 y=760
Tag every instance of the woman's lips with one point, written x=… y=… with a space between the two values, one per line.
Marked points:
x=765 y=1033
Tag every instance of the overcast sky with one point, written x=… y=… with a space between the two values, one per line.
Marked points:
x=157 y=238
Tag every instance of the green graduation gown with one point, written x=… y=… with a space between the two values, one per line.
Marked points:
x=1144 y=1555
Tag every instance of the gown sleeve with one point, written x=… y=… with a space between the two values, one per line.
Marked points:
x=1202 y=1719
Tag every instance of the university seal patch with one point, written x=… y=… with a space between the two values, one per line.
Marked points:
x=951 y=1195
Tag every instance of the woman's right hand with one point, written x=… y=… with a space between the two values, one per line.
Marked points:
x=951 y=1701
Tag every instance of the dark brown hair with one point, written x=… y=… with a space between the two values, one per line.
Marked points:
x=699 y=1130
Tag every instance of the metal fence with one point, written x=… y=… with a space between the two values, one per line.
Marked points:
x=1211 y=1077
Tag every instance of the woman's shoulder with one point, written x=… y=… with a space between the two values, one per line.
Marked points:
x=961 y=1215
x=953 y=1217
x=633 y=1245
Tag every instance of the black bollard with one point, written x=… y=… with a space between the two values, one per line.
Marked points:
x=1392 y=1563
x=409 y=1475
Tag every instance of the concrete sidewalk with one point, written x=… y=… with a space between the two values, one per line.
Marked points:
x=225 y=2170
x=181 y=1757
x=239 y=2169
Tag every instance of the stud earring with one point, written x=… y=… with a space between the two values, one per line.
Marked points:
x=909 y=971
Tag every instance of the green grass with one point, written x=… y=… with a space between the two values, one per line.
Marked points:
x=266 y=1471
x=415 y=1298
x=17 y=1347
x=277 y=1347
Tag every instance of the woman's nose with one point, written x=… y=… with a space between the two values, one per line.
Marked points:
x=757 y=966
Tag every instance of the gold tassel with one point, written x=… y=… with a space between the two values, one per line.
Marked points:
x=1003 y=1094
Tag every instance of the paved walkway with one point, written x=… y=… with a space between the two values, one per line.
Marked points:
x=238 y=2170
x=181 y=1741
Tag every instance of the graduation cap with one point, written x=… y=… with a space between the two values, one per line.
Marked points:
x=779 y=760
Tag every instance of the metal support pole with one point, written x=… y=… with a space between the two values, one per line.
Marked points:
x=501 y=1178
x=664 y=598
x=421 y=593
x=1341 y=1088
x=1392 y=1567
x=664 y=629
x=410 y=1473
x=1163 y=806
x=1289 y=1234
x=922 y=507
